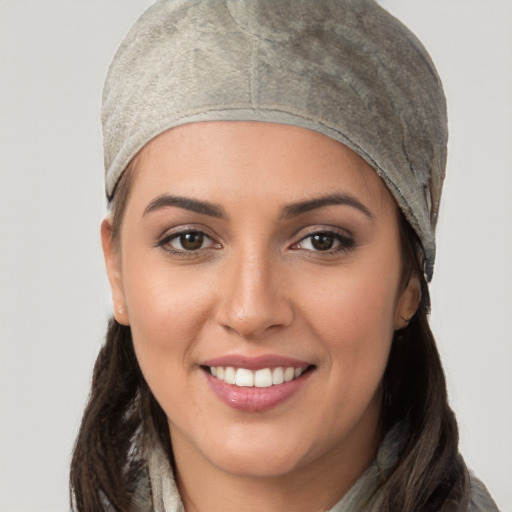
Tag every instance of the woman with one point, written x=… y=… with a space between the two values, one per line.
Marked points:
x=274 y=171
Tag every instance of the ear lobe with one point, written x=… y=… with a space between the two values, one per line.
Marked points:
x=408 y=302
x=113 y=272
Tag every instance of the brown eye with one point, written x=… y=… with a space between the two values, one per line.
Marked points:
x=188 y=242
x=191 y=241
x=322 y=241
x=326 y=241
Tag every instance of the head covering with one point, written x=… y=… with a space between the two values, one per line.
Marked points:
x=344 y=68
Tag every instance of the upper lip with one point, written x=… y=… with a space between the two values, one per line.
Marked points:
x=256 y=363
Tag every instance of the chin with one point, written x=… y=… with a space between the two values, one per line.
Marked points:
x=252 y=465
x=257 y=457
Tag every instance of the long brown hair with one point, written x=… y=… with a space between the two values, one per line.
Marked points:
x=428 y=476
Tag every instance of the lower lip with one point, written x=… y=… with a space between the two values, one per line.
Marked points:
x=253 y=399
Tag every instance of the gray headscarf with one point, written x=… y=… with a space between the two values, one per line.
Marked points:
x=344 y=68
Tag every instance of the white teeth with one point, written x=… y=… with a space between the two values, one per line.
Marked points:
x=244 y=378
x=229 y=375
x=289 y=374
x=262 y=378
x=278 y=376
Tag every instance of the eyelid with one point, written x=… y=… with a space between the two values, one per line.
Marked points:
x=344 y=238
x=174 y=233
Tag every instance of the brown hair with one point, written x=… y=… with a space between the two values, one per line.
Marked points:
x=429 y=475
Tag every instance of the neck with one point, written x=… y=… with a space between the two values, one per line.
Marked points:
x=302 y=493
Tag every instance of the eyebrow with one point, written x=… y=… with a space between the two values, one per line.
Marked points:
x=295 y=209
x=202 y=207
x=291 y=210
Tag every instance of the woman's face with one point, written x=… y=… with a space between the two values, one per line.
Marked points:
x=247 y=249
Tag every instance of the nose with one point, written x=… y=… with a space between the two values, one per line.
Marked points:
x=253 y=297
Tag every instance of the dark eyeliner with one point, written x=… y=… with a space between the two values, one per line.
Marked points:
x=346 y=243
x=184 y=253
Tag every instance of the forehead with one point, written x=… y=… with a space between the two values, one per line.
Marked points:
x=274 y=162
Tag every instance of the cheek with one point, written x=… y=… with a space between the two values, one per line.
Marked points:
x=165 y=320
x=354 y=302
x=166 y=310
x=353 y=315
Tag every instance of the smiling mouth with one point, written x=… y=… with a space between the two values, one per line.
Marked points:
x=262 y=378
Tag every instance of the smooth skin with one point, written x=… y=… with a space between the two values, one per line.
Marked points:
x=255 y=272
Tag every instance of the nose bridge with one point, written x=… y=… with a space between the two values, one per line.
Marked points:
x=253 y=298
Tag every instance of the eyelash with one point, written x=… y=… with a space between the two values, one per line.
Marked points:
x=342 y=242
x=165 y=243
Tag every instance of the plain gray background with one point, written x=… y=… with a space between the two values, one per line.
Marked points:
x=54 y=300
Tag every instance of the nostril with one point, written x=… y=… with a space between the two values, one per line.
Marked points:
x=256 y=323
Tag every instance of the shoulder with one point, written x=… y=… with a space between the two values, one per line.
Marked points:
x=480 y=500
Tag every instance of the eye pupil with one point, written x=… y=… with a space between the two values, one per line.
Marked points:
x=322 y=241
x=192 y=241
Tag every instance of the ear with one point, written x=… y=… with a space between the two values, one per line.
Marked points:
x=113 y=272
x=408 y=302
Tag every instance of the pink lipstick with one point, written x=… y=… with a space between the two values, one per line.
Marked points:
x=254 y=384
